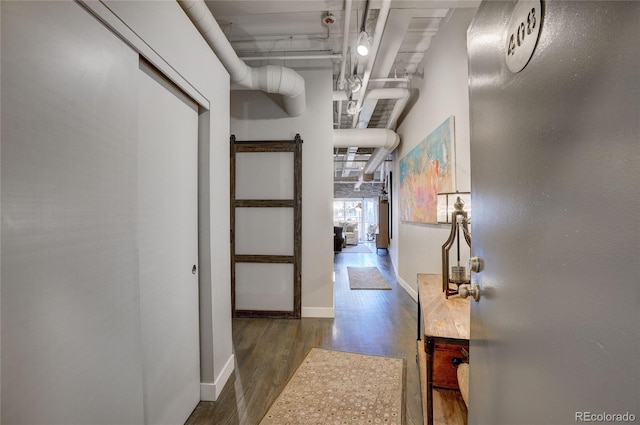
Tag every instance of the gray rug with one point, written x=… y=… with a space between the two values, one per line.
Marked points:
x=334 y=387
x=366 y=278
x=360 y=248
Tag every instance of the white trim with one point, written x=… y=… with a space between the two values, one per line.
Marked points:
x=411 y=291
x=211 y=391
x=103 y=13
x=207 y=391
x=319 y=312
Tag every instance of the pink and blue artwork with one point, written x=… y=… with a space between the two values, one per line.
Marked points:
x=425 y=171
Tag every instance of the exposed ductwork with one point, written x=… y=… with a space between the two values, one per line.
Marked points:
x=384 y=140
x=381 y=153
x=269 y=78
x=387 y=93
x=365 y=138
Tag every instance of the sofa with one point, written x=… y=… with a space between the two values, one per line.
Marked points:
x=350 y=232
x=338 y=239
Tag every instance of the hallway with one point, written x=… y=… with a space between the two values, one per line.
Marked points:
x=268 y=351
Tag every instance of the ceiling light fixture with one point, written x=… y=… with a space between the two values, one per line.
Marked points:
x=364 y=40
x=352 y=107
x=354 y=83
x=364 y=44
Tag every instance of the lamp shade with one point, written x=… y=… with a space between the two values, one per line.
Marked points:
x=446 y=201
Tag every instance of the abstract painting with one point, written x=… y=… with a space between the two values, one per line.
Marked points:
x=424 y=172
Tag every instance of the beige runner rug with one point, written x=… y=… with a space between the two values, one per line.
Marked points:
x=334 y=387
x=366 y=278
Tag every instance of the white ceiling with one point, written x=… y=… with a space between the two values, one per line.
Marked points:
x=268 y=28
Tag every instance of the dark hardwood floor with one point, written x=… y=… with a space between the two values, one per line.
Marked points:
x=268 y=351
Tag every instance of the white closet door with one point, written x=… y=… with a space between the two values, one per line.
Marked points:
x=167 y=192
x=70 y=335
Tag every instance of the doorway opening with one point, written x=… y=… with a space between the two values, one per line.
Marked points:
x=358 y=217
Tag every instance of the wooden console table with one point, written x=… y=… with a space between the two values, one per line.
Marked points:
x=443 y=329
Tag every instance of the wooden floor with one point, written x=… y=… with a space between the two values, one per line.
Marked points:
x=268 y=351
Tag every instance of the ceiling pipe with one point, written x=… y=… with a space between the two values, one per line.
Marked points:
x=285 y=57
x=345 y=42
x=269 y=78
x=365 y=138
x=380 y=154
x=345 y=46
x=397 y=109
x=387 y=93
x=377 y=37
x=384 y=140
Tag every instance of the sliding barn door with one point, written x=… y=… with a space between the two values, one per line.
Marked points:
x=167 y=192
x=266 y=226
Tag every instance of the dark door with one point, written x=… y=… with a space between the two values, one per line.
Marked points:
x=555 y=167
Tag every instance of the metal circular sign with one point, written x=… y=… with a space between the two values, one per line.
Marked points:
x=522 y=33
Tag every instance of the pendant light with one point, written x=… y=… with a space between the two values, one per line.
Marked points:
x=364 y=40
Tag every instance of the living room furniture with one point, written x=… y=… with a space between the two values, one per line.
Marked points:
x=443 y=329
x=338 y=239
x=382 y=238
x=351 y=233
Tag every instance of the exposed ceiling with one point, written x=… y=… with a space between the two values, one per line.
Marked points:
x=274 y=29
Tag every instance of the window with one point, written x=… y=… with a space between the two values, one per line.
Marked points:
x=362 y=212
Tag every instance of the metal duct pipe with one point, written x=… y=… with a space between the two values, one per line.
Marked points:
x=269 y=78
x=365 y=138
x=397 y=109
x=388 y=93
x=377 y=158
x=380 y=154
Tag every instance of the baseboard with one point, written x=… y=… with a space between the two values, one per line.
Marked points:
x=411 y=291
x=319 y=312
x=211 y=391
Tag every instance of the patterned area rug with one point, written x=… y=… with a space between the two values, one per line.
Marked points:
x=366 y=278
x=334 y=387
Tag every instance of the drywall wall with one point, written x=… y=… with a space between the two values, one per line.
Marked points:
x=70 y=298
x=258 y=116
x=165 y=27
x=416 y=248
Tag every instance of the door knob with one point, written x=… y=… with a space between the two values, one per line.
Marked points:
x=476 y=264
x=467 y=290
x=194 y=269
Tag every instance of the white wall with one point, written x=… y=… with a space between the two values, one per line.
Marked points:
x=416 y=248
x=165 y=28
x=70 y=299
x=257 y=116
